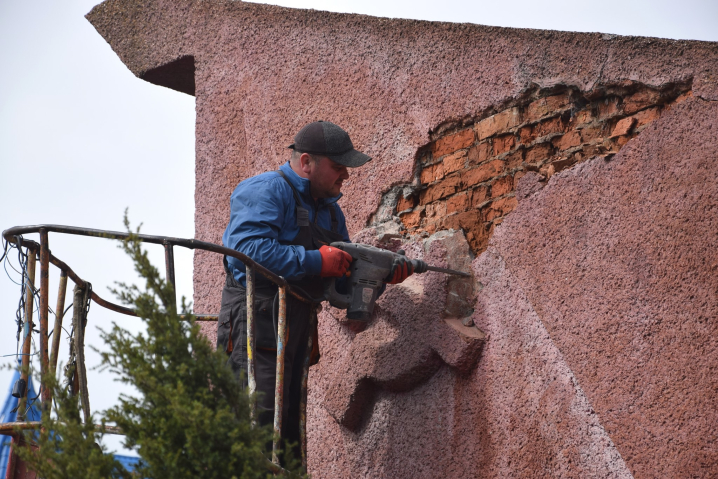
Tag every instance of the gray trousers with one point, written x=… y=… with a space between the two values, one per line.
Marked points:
x=232 y=339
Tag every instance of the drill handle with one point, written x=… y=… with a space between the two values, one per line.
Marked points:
x=335 y=298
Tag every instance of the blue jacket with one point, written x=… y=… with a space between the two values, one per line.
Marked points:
x=262 y=222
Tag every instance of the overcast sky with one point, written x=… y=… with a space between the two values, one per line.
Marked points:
x=81 y=138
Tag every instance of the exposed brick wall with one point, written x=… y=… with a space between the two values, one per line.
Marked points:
x=466 y=176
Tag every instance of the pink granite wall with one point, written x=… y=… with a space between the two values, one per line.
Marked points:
x=597 y=294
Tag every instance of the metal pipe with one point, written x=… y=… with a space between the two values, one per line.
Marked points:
x=170 y=268
x=112 y=306
x=57 y=328
x=79 y=281
x=279 y=381
x=305 y=382
x=10 y=233
x=79 y=321
x=251 y=328
x=27 y=338
x=13 y=235
x=96 y=298
x=44 y=315
x=9 y=428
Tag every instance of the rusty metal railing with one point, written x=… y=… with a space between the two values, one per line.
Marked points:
x=48 y=362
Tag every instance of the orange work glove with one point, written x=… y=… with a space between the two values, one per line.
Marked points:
x=401 y=269
x=335 y=262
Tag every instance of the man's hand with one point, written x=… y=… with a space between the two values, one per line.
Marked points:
x=335 y=262
x=401 y=269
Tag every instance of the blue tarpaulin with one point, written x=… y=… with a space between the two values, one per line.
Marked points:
x=8 y=414
x=33 y=414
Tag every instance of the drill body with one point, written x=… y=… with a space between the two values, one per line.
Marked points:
x=369 y=269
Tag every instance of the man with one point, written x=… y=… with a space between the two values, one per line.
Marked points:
x=284 y=220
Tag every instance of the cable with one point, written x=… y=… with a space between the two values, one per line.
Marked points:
x=13 y=267
x=31 y=402
x=19 y=354
x=36 y=295
x=19 y=313
x=8 y=273
x=20 y=317
x=4 y=249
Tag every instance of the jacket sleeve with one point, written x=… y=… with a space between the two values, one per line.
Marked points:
x=258 y=213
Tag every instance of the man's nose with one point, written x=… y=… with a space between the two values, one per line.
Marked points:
x=345 y=174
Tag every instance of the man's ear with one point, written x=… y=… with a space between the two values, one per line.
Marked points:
x=306 y=163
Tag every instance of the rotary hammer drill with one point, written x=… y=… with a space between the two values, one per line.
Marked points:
x=369 y=269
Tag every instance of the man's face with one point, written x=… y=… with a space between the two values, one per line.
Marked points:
x=325 y=177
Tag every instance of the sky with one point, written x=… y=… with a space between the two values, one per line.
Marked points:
x=82 y=139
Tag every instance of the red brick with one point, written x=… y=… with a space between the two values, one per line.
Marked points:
x=582 y=117
x=598 y=149
x=465 y=220
x=413 y=219
x=451 y=143
x=457 y=203
x=526 y=135
x=646 y=116
x=538 y=153
x=435 y=210
x=640 y=100
x=479 y=243
x=405 y=203
x=492 y=227
x=502 y=186
x=504 y=143
x=479 y=195
x=482 y=173
x=497 y=123
x=450 y=222
x=619 y=141
x=454 y=162
x=572 y=138
x=623 y=127
x=545 y=106
x=469 y=219
x=592 y=132
x=427 y=174
x=431 y=226
x=432 y=173
x=505 y=205
x=480 y=153
x=471 y=237
x=442 y=189
x=608 y=108
x=477 y=232
x=553 y=125
x=560 y=165
x=514 y=159
x=491 y=213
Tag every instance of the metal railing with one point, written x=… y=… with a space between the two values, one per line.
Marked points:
x=48 y=362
